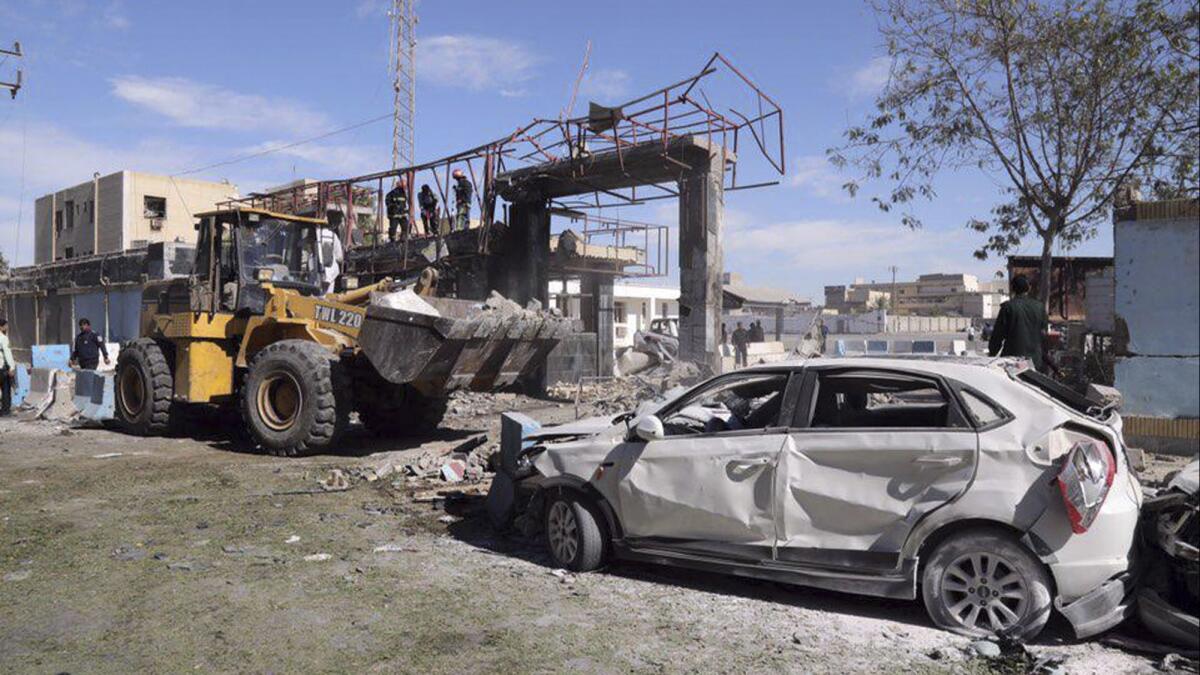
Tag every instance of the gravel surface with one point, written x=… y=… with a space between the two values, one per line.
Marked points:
x=122 y=554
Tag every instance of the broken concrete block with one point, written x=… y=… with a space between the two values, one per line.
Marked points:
x=454 y=470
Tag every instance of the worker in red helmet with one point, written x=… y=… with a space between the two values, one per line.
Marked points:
x=397 y=209
x=462 y=200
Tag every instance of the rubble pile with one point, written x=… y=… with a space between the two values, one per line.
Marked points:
x=621 y=394
x=505 y=307
x=469 y=461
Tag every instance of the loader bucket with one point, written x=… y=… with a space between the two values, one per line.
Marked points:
x=466 y=347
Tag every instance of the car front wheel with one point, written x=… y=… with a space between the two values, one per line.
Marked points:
x=574 y=534
x=984 y=584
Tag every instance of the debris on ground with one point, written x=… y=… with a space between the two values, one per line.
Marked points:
x=317 y=557
x=336 y=482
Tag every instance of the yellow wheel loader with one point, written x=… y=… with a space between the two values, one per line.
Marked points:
x=251 y=326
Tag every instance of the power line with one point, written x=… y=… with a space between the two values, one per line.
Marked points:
x=268 y=151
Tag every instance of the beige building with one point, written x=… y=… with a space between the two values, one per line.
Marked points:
x=928 y=295
x=132 y=209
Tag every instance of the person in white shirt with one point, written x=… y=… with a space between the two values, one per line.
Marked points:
x=8 y=370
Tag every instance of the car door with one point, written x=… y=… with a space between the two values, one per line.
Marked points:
x=870 y=453
x=707 y=487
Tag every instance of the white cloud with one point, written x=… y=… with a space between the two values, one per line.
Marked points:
x=815 y=174
x=341 y=160
x=475 y=62
x=606 y=83
x=195 y=104
x=113 y=15
x=870 y=78
x=371 y=8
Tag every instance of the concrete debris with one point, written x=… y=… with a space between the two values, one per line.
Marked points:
x=19 y=575
x=107 y=455
x=563 y=576
x=292 y=539
x=393 y=548
x=317 y=557
x=405 y=300
x=453 y=470
x=621 y=394
x=183 y=566
x=336 y=481
x=985 y=649
x=469 y=461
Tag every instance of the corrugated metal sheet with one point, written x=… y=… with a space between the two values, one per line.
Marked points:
x=1162 y=427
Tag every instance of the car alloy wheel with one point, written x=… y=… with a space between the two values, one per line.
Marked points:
x=563 y=531
x=984 y=591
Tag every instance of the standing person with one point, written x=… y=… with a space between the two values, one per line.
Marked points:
x=8 y=370
x=397 y=209
x=824 y=334
x=428 y=202
x=88 y=348
x=757 y=334
x=462 y=200
x=740 y=338
x=1020 y=326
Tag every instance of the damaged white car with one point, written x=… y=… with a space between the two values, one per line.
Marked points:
x=984 y=488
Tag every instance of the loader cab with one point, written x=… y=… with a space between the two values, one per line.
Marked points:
x=238 y=251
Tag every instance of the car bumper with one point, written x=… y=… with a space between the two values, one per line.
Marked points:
x=1108 y=605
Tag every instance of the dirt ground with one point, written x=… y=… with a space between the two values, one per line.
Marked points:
x=197 y=554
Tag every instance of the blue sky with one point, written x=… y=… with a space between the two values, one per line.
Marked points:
x=169 y=86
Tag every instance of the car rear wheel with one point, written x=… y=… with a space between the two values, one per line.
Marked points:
x=984 y=584
x=573 y=534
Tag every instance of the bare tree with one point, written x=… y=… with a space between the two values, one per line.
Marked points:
x=1063 y=102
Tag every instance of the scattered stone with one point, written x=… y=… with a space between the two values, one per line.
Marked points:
x=453 y=471
x=107 y=455
x=181 y=566
x=563 y=576
x=202 y=525
x=447 y=519
x=160 y=556
x=1049 y=665
x=985 y=649
x=128 y=553
x=19 y=575
x=393 y=548
x=336 y=482
x=317 y=557
x=295 y=538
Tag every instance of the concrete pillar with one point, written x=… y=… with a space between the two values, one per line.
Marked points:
x=701 y=219
x=520 y=270
x=600 y=288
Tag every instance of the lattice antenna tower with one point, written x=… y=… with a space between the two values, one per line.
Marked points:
x=403 y=65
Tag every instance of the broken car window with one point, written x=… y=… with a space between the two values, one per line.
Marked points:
x=881 y=400
x=983 y=411
x=747 y=401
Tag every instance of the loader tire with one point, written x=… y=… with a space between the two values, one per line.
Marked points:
x=400 y=410
x=294 y=399
x=144 y=389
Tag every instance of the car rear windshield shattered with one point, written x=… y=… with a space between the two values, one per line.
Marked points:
x=1064 y=395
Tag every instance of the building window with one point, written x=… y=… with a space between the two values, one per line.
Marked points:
x=58 y=220
x=619 y=315
x=69 y=210
x=154 y=208
x=69 y=252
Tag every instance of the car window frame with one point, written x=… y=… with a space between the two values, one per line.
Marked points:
x=1006 y=415
x=791 y=393
x=803 y=413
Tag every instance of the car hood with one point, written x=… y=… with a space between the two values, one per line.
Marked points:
x=588 y=426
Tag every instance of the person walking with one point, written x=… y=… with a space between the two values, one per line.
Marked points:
x=89 y=347
x=740 y=337
x=429 y=205
x=8 y=370
x=1020 y=326
x=462 y=200
x=397 y=209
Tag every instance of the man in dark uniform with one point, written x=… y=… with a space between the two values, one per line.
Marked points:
x=1020 y=326
x=740 y=337
x=88 y=347
x=462 y=200
x=429 y=205
x=397 y=209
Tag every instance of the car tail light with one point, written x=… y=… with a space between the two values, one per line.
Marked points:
x=1084 y=480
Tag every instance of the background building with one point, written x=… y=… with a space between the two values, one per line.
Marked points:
x=123 y=210
x=936 y=294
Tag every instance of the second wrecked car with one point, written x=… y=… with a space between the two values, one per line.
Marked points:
x=983 y=488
